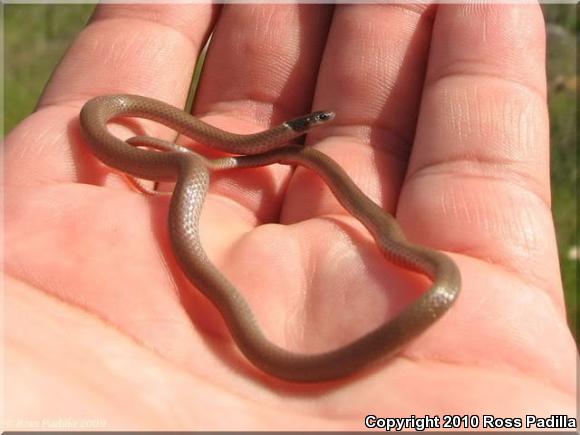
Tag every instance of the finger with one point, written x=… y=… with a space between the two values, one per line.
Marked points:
x=141 y=49
x=371 y=76
x=478 y=180
x=260 y=70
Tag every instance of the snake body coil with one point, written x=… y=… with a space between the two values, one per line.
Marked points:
x=192 y=173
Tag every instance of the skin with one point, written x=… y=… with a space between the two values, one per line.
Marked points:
x=441 y=119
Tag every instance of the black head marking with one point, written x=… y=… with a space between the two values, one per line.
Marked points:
x=306 y=122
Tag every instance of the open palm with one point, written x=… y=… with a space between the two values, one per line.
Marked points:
x=441 y=119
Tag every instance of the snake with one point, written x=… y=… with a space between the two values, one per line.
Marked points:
x=154 y=159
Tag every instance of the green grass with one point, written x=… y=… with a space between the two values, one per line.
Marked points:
x=36 y=36
x=562 y=76
x=564 y=175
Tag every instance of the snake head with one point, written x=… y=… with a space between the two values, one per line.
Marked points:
x=309 y=121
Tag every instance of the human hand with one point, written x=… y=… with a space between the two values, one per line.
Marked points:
x=466 y=174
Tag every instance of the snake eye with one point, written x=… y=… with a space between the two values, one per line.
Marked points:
x=323 y=116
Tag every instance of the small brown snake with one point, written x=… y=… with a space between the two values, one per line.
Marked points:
x=191 y=172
